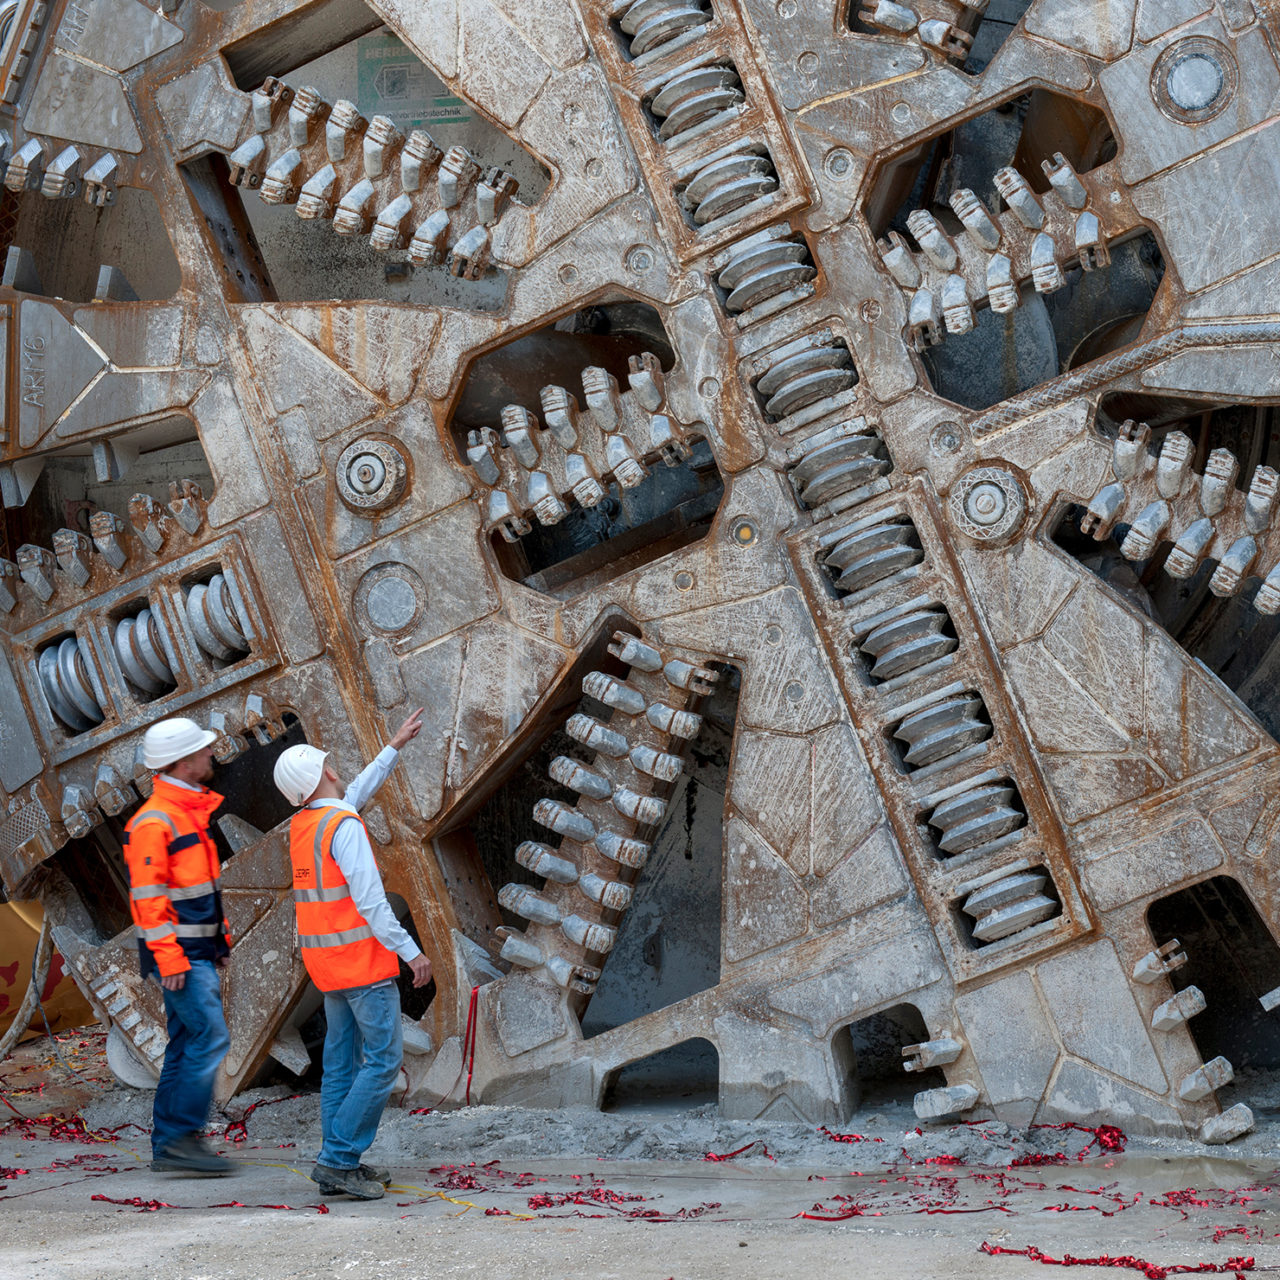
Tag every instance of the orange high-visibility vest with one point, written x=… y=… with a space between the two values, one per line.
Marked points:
x=338 y=947
x=173 y=879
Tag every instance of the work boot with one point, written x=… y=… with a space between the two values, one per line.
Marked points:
x=191 y=1155
x=345 y=1182
x=374 y=1175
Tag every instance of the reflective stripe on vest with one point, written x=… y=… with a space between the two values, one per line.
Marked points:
x=335 y=894
x=178 y=930
x=175 y=893
x=335 y=939
x=160 y=814
x=322 y=895
x=177 y=842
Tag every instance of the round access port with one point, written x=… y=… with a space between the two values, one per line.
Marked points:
x=390 y=598
x=1194 y=80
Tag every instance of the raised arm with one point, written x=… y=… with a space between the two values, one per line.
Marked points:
x=365 y=786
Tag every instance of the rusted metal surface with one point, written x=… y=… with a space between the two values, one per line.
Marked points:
x=915 y=267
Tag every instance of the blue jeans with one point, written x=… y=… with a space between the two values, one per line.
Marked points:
x=362 y=1051
x=198 y=1041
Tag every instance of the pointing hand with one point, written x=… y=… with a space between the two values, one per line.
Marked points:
x=408 y=731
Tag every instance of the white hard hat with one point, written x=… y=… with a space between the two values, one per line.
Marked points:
x=170 y=740
x=298 y=772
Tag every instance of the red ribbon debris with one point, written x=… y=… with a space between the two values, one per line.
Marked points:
x=733 y=1155
x=237 y=1131
x=1152 y=1270
x=62 y=1129
x=137 y=1202
x=292 y=1208
x=851 y=1209
x=152 y=1206
x=1221 y=1233
x=603 y=1198
x=595 y=1196
x=1237 y=1199
x=1106 y=1137
x=846 y=1137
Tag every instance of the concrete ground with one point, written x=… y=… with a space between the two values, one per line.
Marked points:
x=505 y=1194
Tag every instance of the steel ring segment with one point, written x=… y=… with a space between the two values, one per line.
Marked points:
x=74 y=675
x=211 y=620
x=59 y=704
x=692 y=97
x=761 y=257
x=691 y=85
x=734 y=192
x=653 y=22
x=153 y=646
x=839 y=466
x=906 y=643
x=842 y=476
x=770 y=279
x=727 y=184
x=221 y=611
x=698 y=107
x=721 y=174
x=205 y=637
x=126 y=647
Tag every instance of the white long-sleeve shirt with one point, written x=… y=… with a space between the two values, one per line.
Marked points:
x=354 y=855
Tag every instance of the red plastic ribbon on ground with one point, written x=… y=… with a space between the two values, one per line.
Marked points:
x=846 y=1137
x=236 y=1130
x=1106 y=1137
x=63 y=1129
x=152 y=1206
x=733 y=1155
x=1152 y=1270
x=137 y=1202
x=292 y=1208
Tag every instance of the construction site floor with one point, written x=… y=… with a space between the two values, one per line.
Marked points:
x=509 y=1193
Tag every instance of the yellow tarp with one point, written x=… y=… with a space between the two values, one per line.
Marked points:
x=64 y=1006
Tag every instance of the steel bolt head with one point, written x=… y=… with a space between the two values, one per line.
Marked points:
x=366 y=472
x=988 y=504
x=985 y=503
x=371 y=474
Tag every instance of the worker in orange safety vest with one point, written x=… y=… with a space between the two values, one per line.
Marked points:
x=352 y=945
x=183 y=937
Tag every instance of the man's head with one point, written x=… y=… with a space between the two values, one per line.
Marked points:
x=301 y=775
x=180 y=748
